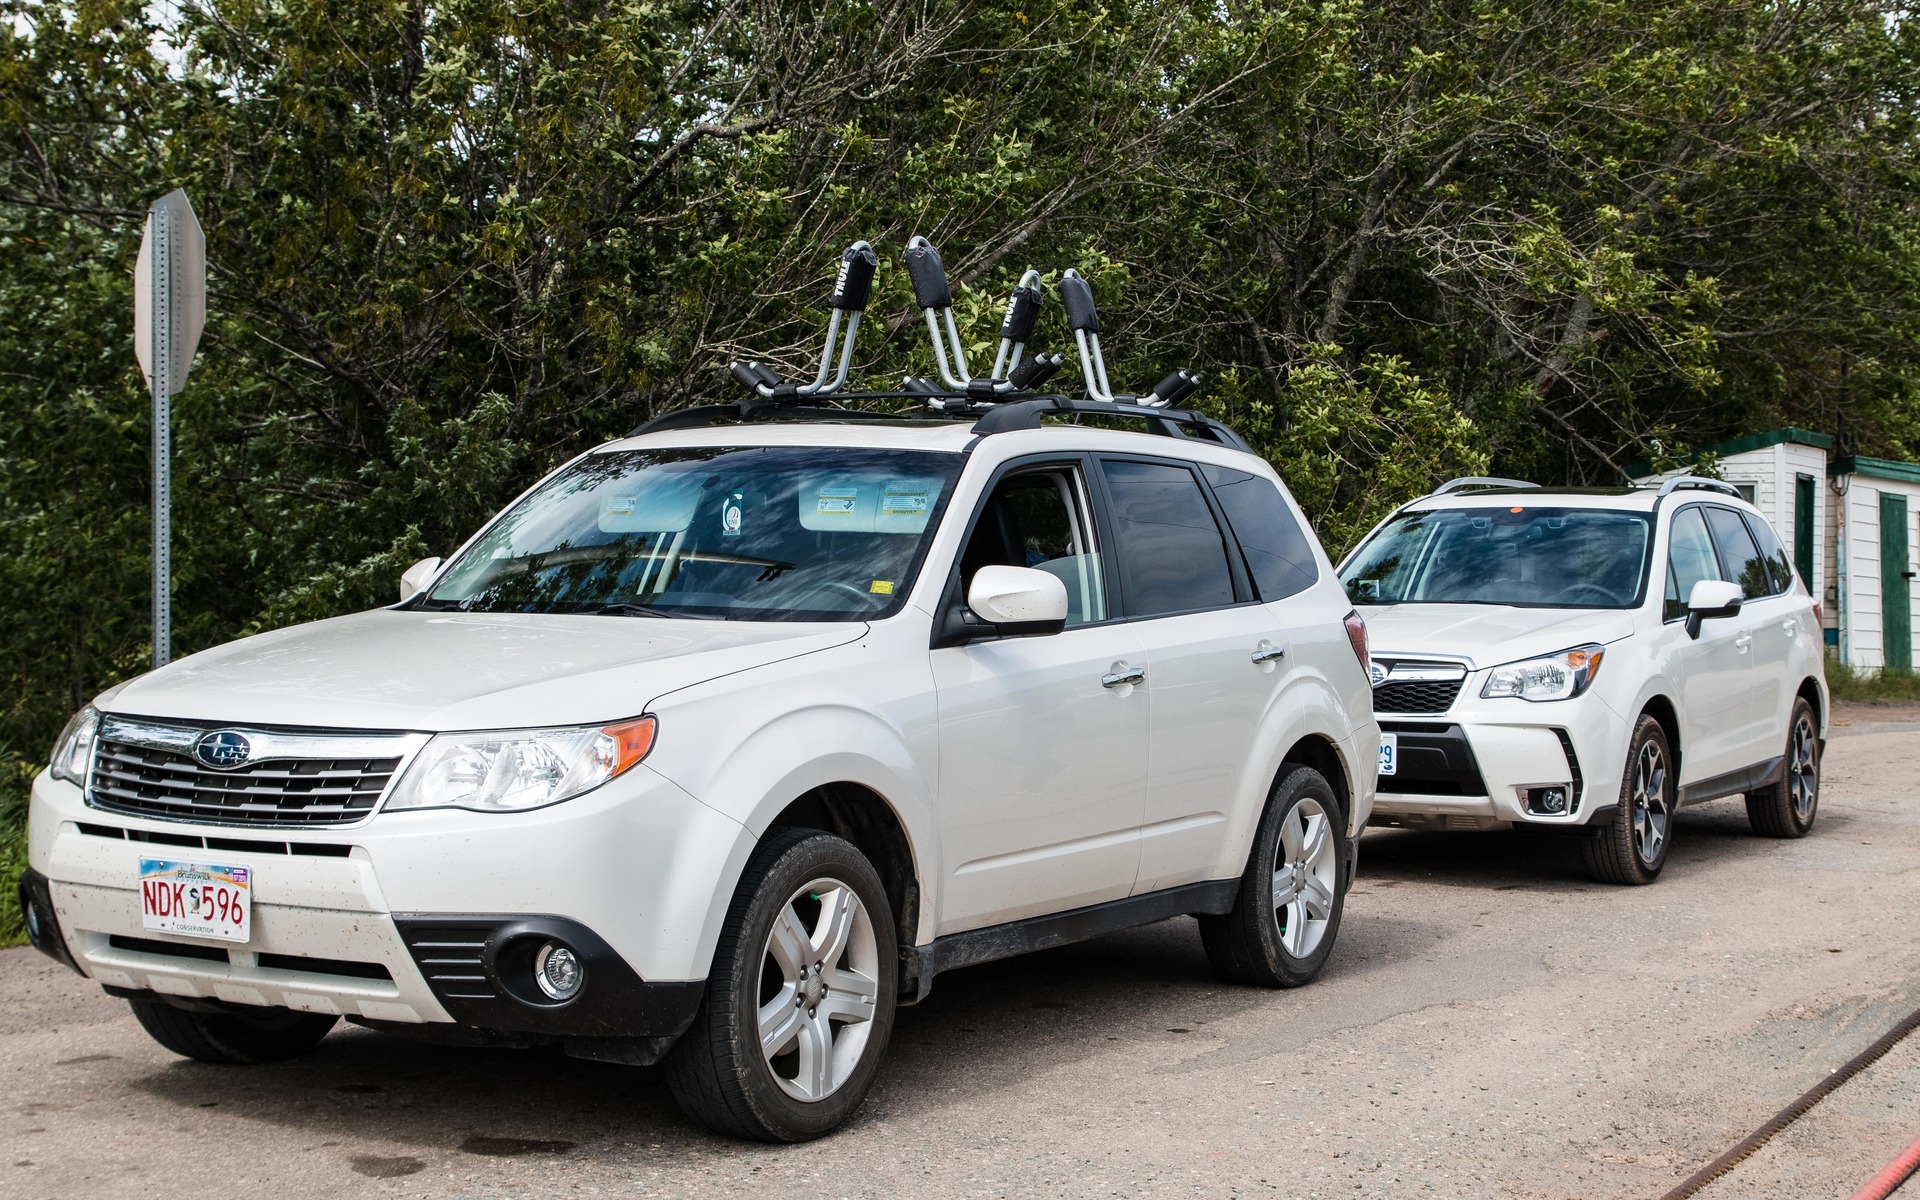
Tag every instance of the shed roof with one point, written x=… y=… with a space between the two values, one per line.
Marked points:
x=1757 y=441
x=1878 y=468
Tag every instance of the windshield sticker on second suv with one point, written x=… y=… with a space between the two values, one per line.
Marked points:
x=837 y=502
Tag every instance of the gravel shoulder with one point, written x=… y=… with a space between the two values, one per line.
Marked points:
x=1492 y=1024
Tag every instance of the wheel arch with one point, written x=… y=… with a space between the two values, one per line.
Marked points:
x=862 y=816
x=1809 y=691
x=1323 y=755
x=1661 y=708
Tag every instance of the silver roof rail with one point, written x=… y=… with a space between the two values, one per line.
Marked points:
x=1669 y=487
x=1467 y=481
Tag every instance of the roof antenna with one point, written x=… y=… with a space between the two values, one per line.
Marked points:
x=852 y=288
x=1084 y=319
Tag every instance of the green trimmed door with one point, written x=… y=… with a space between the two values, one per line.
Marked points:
x=1803 y=498
x=1896 y=602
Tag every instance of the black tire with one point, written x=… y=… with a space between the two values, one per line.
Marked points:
x=1263 y=940
x=717 y=1071
x=1632 y=847
x=1787 y=809
x=232 y=1038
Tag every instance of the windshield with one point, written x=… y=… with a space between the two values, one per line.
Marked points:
x=1520 y=555
x=763 y=534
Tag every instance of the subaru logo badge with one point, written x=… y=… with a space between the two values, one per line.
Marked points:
x=223 y=750
x=1379 y=673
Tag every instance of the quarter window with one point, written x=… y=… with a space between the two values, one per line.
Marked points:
x=1779 y=567
x=1278 y=555
x=1690 y=559
x=1739 y=558
x=1171 y=550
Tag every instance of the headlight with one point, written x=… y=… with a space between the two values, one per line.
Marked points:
x=73 y=750
x=1555 y=677
x=512 y=770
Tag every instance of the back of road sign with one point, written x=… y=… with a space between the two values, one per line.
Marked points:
x=175 y=243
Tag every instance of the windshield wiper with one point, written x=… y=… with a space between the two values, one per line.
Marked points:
x=647 y=610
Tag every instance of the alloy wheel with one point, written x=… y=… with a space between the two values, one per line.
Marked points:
x=1304 y=875
x=1648 y=803
x=818 y=988
x=1803 y=773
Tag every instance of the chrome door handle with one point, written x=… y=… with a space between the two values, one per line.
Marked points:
x=1270 y=654
x=1123 y=676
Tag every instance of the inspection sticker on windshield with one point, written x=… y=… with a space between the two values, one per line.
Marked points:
x=1389 y=753
x=904 y=502
x=196 y=899
x=837 y=502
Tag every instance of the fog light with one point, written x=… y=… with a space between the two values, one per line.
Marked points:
x=1547 y=801
x=558 y=971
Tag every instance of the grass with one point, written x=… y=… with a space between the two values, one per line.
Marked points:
x=1851 y=686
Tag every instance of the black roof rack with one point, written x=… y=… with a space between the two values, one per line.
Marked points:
x=1002 y=417
x=1175 y=422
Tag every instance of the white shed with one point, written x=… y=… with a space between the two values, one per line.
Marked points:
x=1872 y=532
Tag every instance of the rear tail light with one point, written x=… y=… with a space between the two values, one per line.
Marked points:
x=1357 y=636
x=1818 y=617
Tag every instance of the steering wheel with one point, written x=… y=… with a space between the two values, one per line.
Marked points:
x=1567 y=594
x=848 y=589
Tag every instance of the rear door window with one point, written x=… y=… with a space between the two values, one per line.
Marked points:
x=1173 y=557
x=1740 y=558
x=1278 y=553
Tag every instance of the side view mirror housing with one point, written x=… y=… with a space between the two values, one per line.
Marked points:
x=1712 y=598
x=1018 y=601
x=417 y=577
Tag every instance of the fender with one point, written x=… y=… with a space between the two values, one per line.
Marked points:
x=1307 y=705
x=872 y=724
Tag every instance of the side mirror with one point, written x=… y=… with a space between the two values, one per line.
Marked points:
x=1712 y=598
x=417 y=577
x=1018 y=601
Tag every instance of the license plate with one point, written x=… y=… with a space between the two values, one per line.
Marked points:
x=196 y=899
x=1389 y=753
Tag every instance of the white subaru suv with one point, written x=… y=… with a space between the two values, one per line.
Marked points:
x=726 y=738
x=1588 y=662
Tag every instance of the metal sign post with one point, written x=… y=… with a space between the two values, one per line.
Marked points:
x=169 y=311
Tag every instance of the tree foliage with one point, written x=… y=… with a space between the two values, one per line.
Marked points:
x=455 y=242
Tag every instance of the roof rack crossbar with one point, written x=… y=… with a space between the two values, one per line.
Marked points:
x=1670 y=486
x=1177 y=422
x=1487 y=481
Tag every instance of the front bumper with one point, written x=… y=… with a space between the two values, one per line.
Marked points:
x=376 y=922
x=1474 y=766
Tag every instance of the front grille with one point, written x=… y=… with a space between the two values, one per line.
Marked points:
x=1409 y=696
x=152 y=782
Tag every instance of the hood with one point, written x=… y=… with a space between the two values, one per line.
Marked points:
x=433 y=671
x=1487 y=634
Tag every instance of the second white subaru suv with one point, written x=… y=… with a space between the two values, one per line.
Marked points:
x=725 y=739
x=1590 y=661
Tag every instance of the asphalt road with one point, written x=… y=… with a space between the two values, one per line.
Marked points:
x=1492 y=1024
